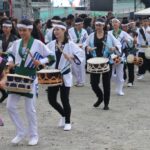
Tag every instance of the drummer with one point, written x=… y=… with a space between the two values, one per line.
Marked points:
x=65 y=52
x=143 y=40
x=26 y=64
x=94 y=47
x=78 y=35
x=7 y=39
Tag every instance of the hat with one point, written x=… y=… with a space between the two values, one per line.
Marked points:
x=78 y=20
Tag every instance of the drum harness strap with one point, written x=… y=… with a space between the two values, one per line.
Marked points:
x=67 y=69
x=143 y=35
x=78 y=34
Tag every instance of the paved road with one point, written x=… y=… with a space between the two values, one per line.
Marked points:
x=126 y=126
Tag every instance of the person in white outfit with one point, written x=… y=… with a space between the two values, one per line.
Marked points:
x=79 y=35
x=117 y=70
x=26 y=66
x=143 y=41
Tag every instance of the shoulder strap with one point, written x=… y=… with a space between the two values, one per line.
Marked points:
x=143 y=34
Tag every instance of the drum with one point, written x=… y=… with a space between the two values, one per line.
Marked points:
x=98 y=65
x=130 y=59
x=18 y=83
x=147 y=53
x=134 y=59
x=52 y=77
x=146 y=50
x=138 y=61
x=116 y=59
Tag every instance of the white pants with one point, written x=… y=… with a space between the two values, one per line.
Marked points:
x=12 y=101
x=79 y=72
x=117 y=76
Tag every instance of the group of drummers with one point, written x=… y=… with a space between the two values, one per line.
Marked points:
x=105 y=53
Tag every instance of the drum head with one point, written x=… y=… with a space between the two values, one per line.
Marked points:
x=130 y=58
x=97 y=60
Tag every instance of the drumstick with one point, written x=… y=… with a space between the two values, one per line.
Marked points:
x=39 y=67
x=28 y=50
x=65 y=55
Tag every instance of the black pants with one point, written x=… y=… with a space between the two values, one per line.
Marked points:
x=95 y=80
x=65 y=109
x=130 y=68
x=145 y=66
x=4 y=94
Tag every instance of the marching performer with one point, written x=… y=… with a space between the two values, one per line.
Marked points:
x=65 y=52
x=129 y=50
x=78 y=35
x=27 y=54
x=117 y=70
x=143 y=41
x=95 y=48
x=7 y=39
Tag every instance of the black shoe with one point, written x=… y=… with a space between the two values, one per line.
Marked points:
x=3 y=97
x=98 y=102
x=106 y=108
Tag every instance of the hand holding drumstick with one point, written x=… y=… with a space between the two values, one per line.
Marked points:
x=68 y=57
x=37 y=63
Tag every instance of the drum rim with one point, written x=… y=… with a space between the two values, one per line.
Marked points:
x=103 y=58
x=42 y=71
x=17 y=75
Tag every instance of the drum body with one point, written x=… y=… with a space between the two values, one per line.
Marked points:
x=146 y=50
x=52 y=77
x=98 y=65
x=18 y=83
x=130 y=58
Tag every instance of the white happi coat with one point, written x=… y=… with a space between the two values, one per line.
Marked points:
x=140 y=39
x=70 y=48
x=38 y=50
x=49 y=35
x=73 y=37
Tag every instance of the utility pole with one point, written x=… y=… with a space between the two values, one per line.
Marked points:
x=134 y=5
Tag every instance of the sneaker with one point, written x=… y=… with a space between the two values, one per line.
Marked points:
x=17 y=139
x=67 y=127
x=130 y=84
x=140 y=77
x=120 y=93
x=33 y=141
x=61 y=122
x=97 y=103
x=79 y=85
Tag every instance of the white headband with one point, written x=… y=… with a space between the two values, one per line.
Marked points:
x=55 y=21
x=78 y=23
x=7 y=25
x=98 y=22
x=24 y=26
x=115 y=19
x=59 y=26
